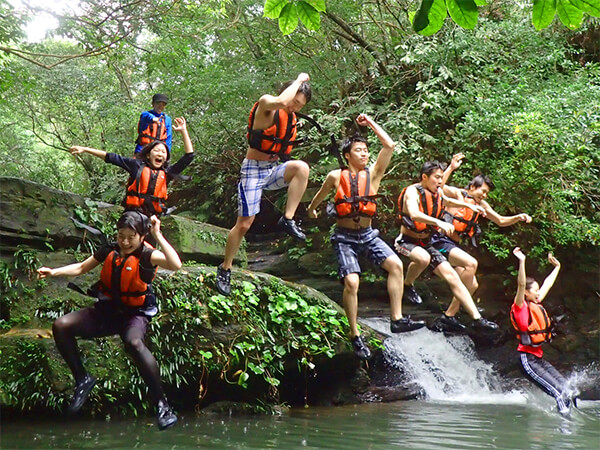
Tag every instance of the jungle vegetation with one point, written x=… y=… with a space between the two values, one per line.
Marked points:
x=522 y=104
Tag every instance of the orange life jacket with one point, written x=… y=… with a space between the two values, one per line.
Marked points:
x=429 y=203
x=538 y=331
x=122 y=279
x=355 y=196
x=155 y=131
x=465 y=219
x=278 y=139
x=147 y=191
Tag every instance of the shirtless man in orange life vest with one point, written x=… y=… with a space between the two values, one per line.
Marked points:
x=271 y=137
x=356 y=189
x=421 y=208
x=466 y=227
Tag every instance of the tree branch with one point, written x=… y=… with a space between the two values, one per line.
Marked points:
x=359 y=40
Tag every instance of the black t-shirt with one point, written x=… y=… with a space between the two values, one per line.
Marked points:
x=144 y=253
x=132 y=165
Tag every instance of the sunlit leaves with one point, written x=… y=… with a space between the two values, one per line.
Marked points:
x=568 y=14
x=463 y=12
x=592 y=7
x=288 y=19
x=309 y=16
x=289 y=12
x=430 y=17
x=273 y=8
x=543 y=13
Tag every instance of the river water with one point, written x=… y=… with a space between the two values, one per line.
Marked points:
x=465 y=405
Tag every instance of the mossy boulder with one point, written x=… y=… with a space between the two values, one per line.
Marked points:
x=198 y=241
x=37 y=216
x=34 y=214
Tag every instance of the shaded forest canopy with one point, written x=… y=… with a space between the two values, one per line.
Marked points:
x=524 y=106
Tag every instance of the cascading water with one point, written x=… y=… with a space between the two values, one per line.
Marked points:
x=445 y=367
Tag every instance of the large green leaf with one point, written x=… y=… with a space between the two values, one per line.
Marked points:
x=430 y=17
x=319 y=5
x=543 y=13
x=288 y=19
x=273 y=8
x=463 y=12
x=480 y=2
x=592 y=7
x=568 y=14
x=309 y=16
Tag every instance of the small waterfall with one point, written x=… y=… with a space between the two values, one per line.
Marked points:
x=446 y=368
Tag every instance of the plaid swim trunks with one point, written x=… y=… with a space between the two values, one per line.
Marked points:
x=254 y=177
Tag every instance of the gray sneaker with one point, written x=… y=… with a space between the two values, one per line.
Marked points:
x=291 y=228
x=410 y=294
x=484 y=325
x=447 y=324
x=405 y=324
x=360 y=348
x=224 y=280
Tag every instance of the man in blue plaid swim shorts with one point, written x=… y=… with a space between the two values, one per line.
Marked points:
x=271 y=137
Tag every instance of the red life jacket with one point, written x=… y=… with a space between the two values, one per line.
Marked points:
x=278 y=139
x=124 y=279
x=155 y=131
x=429 y=203
x=355 y=196
x=538 y=331
x=147 y=191
x=465 y=219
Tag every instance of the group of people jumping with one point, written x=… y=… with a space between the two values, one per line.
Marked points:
x=435 y=219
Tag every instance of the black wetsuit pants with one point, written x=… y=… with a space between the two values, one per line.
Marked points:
x=99 y=321
x=542 y=373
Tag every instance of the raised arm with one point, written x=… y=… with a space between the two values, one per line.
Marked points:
x=181 y=127
x=521 y=279
x=272 y=102
x=459 y=203
x=69 y=271
x=550 y=279
x=411 y=201
x=77 y=149
x=385 y=155
x=168 y=257
x=454 y=164
x=504 y=221
x=328 y=185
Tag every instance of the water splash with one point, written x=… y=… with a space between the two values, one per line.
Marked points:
x=446 y=368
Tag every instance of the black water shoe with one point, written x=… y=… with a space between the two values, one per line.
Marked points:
x=405 y=324
x=360 y=348
x=484 y=325
x=448 y=324
x=166 y=417
x=291 y=228
x=82 y=390
x=410 y=294
x=223 y=280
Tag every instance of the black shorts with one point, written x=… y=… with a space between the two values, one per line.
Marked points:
x=104 y=320
x=349 y=244
x=405 y=244
x=443 y=243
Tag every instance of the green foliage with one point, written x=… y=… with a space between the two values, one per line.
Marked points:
x=289 y=12
x=276 y=325
x=431 y=14
x=27 y=371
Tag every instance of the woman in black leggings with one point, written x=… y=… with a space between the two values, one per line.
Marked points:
x=125 y=305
